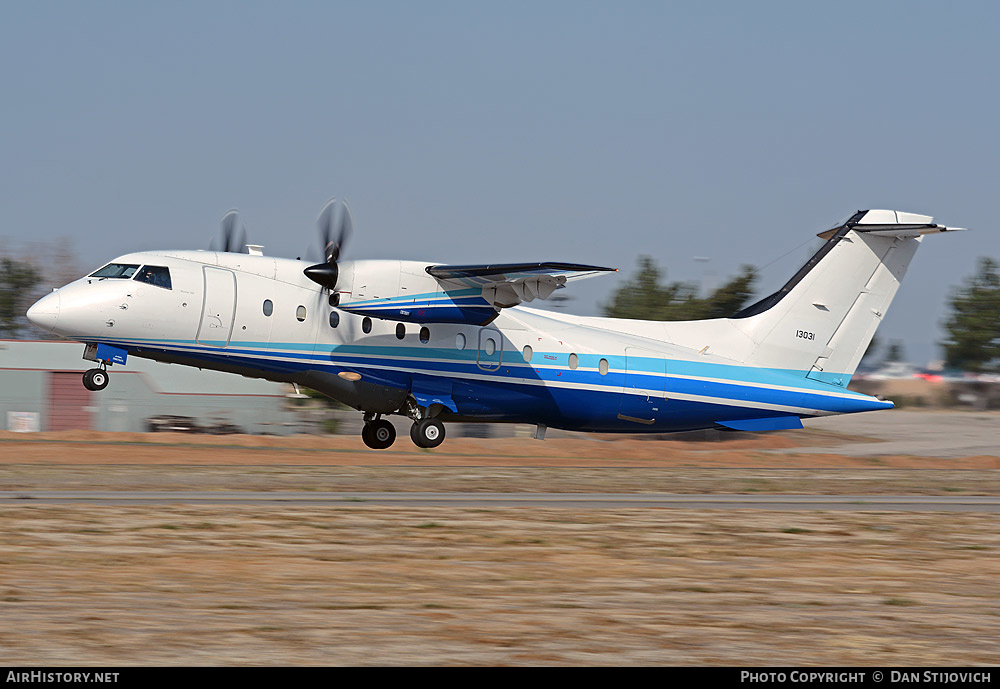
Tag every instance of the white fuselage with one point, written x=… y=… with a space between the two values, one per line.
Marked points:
x=260 y=316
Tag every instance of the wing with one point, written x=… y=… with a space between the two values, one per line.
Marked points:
x=509 y=284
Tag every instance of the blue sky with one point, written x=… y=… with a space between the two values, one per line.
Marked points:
x=473 y=132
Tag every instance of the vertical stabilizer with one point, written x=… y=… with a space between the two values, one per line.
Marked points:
x=823 y=319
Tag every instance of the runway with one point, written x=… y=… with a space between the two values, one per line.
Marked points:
x=780 y=502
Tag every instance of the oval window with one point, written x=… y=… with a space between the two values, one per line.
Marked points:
x=300 y=314
x=334 y=319
x=366 y=325
x=603 y=367
x=490 y=347
x=334 y=299
x=400 y=331
x=460 y=341
x=527 y=352
x=574 y=361
x=425 y=334
x=268 y=307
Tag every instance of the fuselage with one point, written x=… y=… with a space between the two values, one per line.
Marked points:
x=259 y=316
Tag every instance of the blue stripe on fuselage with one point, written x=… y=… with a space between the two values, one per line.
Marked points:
x=519 y=391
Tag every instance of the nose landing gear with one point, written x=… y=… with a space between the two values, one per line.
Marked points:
x=96 y=379
x=104 y=355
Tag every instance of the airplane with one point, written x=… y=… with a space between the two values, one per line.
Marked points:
x=440 y=343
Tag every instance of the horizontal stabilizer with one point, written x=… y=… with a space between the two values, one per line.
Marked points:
x=772 y=423
x=883 y=223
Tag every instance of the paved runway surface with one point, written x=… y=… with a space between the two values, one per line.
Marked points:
x=906 y=432
x=861 y=503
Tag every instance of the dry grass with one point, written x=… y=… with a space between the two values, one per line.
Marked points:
x=372 y=585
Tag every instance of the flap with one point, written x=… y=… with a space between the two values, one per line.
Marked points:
x=473 y=275
x=509 y=284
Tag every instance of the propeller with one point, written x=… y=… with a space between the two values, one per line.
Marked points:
x=232 y=234
x=335 y=225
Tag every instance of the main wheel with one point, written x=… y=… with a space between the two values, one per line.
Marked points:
x=96 y=379
x=427 y=433
x=379 y=435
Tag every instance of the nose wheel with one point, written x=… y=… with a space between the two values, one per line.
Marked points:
x=427 y=433
x=96 y=379
x=378 y=434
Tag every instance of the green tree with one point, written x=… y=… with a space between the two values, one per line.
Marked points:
x=644 y=297
x=973 y=342
x=17 y=280
x=895 y=353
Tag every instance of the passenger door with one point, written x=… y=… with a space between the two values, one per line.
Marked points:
x=218 y=307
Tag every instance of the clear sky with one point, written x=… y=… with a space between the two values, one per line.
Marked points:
x=515 y=131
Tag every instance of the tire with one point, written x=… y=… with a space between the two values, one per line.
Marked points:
x=379 y=435
x=427 y=433
x=96 y=379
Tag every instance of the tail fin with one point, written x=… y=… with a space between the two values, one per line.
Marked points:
x=821 y=322
x=823 y=319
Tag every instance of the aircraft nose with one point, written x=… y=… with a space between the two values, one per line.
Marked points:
x=45 y=312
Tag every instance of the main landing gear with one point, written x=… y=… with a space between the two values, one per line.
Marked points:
x=427 y=433
x=96 y=379
x=380 y=434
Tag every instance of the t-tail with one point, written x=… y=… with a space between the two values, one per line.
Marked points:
x=820 y=323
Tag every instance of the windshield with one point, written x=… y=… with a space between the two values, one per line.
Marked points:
x=154 y=275
x=116 y=270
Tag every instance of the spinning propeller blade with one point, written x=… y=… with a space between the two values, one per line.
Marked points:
x=335 y=226
x=232 y=234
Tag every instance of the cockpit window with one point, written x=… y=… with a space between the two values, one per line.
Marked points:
x=155 y=275
x=116 y=270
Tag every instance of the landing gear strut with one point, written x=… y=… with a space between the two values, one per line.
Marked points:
x=96 y=379
x=427 y=433
x=378 y=433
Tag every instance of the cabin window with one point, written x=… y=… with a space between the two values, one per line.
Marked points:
x=425 y=334
x=116 y=270
x=460 y=341
x=334 y=319
x=366 y=325
x=574 y=361
x=603 y=367
x=334 y=298
x=300 y=313
x=268 y=307
x=400 y=331
x=527 y=352
x=155 y=275
x=490 y=346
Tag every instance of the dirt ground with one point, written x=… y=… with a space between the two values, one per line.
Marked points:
x=367 y=585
